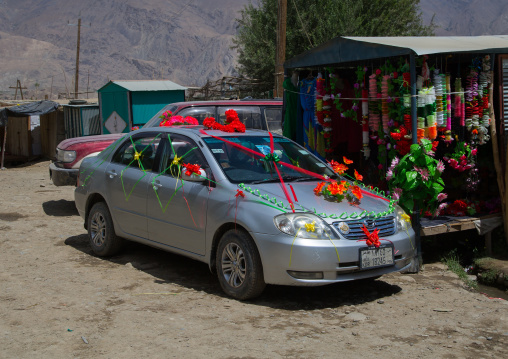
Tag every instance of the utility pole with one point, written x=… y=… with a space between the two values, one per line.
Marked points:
x=76 y=78
x=18 y=86
x=77 y=61
x=280 y=53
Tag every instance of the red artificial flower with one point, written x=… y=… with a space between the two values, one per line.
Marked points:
x=336 y=188
x=239 y=193
x=378 y=72
x=209 y=122
x=191 y=169
x=434 y=145
x=357 y=192
x=319 y=188
x=191 y=120
x=396 y=135
x=327 y=135
x=358 y=176
x=346 y=161
x=338 y=167
x=231 y=116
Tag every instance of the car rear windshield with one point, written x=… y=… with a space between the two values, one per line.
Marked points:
x=156 y=120
x=242 y=166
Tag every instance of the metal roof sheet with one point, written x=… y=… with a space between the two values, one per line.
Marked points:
x=349 y=49
x=149 y=85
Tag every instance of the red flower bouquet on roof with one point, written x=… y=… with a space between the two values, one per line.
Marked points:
x=169 y=120
x=233 y=123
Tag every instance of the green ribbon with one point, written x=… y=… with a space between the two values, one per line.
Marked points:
x=272 y=157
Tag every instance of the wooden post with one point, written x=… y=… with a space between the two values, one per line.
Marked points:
x=77 y=61
x=495 y=151
x=3 y=145
x=280 y=54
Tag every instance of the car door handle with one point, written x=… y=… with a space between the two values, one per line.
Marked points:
x=156 y=186
x=112 y=174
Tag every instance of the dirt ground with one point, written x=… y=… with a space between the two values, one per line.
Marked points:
x=57 y=300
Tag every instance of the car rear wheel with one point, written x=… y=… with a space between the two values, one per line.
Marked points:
x=101 y=233
x=239 y=267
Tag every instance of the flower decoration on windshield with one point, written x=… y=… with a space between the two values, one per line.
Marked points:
x=192 y=169
x=169 y=120
x=338 y=167
x=358 y=176
x=346 y=160
x=232 y=123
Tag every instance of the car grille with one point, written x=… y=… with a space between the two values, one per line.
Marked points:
x=386 y=226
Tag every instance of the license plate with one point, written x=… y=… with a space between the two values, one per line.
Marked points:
x=376 y=257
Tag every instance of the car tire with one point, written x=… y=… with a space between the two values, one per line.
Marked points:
x=239 y=267
x=101 y=232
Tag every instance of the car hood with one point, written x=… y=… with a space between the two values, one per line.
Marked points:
x=97 y=138
x=307 y=200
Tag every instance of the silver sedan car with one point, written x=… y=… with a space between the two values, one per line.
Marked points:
x=244 y=203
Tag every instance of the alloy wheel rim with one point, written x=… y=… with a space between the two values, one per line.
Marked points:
x=98 y=229
x=233 y=265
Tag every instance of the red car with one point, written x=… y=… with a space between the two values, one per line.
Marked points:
x=255 y=114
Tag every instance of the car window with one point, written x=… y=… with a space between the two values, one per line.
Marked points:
x=273 y=116
x=138 y=151
x=185 y=149
x=243 y=166
x=156 y=120
x=199 y=113
x=249 y=115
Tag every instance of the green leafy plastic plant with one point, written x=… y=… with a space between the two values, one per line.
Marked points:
x=416 y=179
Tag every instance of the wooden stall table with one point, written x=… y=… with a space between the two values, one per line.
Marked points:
x=445 y=224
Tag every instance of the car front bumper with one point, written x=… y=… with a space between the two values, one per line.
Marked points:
x=287 y=261
x=63 y=176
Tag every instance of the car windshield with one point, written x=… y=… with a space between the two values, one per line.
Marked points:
x=241 y=166
x=156 y=120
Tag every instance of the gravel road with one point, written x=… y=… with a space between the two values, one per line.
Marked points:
x=57 y=300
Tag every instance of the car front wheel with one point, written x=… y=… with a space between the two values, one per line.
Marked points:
x=239 y=267
x=101 y=233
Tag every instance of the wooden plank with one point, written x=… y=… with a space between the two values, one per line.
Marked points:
x=49 y=135
x=455 y=226
x=19 y=140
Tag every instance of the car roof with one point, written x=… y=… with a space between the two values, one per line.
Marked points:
x=228 y=103
x=197 y=131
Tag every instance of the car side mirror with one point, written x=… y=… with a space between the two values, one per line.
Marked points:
x=194 y=177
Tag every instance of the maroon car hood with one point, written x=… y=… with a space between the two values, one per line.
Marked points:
x=65 y=144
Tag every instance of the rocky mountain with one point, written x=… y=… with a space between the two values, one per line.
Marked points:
x=185 y=41
x=467 y=17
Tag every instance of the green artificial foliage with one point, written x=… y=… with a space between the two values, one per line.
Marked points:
x=418 y=175
x=311 y=23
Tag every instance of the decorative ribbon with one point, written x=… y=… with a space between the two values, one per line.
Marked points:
x=372 y=238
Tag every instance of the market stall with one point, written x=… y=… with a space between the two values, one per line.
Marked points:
x=418 y=115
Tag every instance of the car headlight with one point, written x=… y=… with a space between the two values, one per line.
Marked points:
x=303 y=225
x=65 y=156
x=403 y=219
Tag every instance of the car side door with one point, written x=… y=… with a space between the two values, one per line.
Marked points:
x=127 y=182
x=177 y=209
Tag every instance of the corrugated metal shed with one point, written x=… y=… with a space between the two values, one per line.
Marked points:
x=124 y=104
x=350 y=49
x=81 y=120
x=152 y=85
